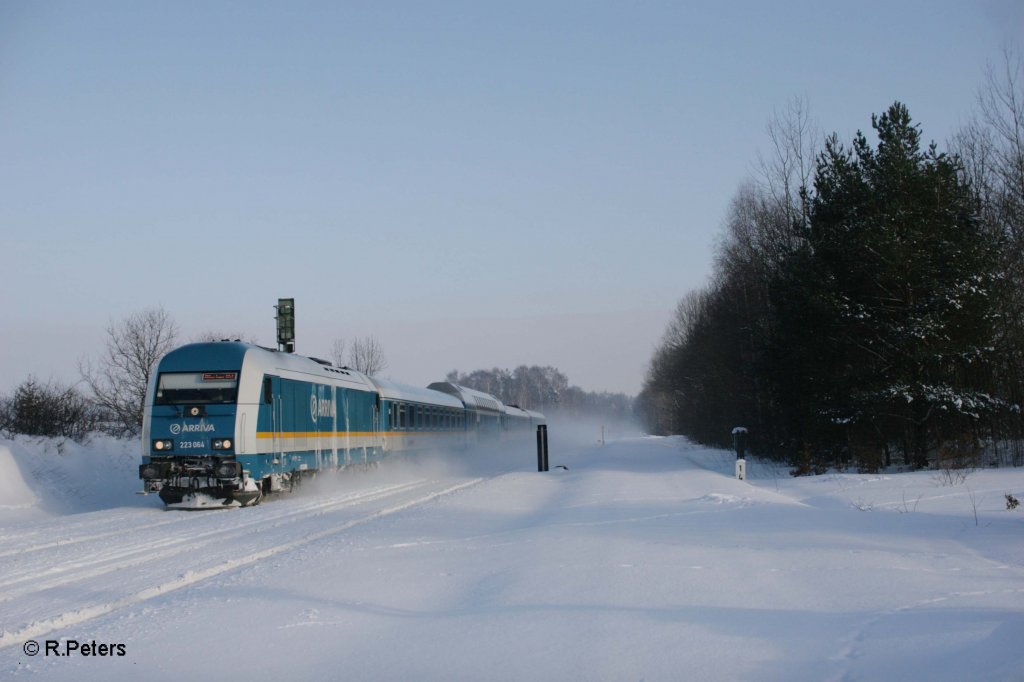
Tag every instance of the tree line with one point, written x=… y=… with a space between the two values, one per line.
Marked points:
x=867 y=301
x=545 y=389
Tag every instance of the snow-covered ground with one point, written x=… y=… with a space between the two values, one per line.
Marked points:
x=644 y=560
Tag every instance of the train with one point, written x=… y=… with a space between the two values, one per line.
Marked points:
x=227 y=423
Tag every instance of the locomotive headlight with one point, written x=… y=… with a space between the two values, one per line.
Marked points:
x=161 y=445
x=221 y=443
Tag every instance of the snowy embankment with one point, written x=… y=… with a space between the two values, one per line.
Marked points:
x=645 y=559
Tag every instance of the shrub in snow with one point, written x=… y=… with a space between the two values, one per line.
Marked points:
x=50 y=409
x=957 y=459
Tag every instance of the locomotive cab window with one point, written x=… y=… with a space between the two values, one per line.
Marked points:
x=179 y=388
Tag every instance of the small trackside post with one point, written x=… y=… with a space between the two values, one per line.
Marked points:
x=542 y=448
x=739 y=439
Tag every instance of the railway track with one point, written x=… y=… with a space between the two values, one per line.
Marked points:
x=111 y=561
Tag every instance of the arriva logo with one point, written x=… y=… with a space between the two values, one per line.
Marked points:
x=320 y=407
x=191 y=428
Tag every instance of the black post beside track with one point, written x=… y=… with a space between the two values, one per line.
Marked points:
x=542 y=448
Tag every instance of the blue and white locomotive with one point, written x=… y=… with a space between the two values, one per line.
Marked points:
x=230 y=422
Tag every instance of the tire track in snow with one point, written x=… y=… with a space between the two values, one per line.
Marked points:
x=70 y=539
x=74 y=540
x=44 y=626
x=852 y=644
x=34 y=578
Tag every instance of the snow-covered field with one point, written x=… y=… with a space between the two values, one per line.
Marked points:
x=644 y=560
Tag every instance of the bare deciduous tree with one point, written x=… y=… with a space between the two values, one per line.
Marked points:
x=796 y=141
x=991 y=150
x=338 y=352
x=1002 y=108
x=367 y=356
x=119 y=379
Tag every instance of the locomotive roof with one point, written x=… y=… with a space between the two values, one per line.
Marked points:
x=228 y=355
x=194 y=357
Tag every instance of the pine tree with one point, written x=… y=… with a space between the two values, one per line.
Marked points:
x=905 y=273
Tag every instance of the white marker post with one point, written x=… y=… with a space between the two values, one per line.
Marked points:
x=739 y=439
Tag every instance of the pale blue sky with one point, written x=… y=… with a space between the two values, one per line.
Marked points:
x=477 y=184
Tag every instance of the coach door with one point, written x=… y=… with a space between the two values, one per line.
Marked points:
x=377 y=441
x=271 y=429
x=320 y=411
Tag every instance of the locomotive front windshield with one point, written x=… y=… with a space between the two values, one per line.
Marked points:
x=180 y=388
